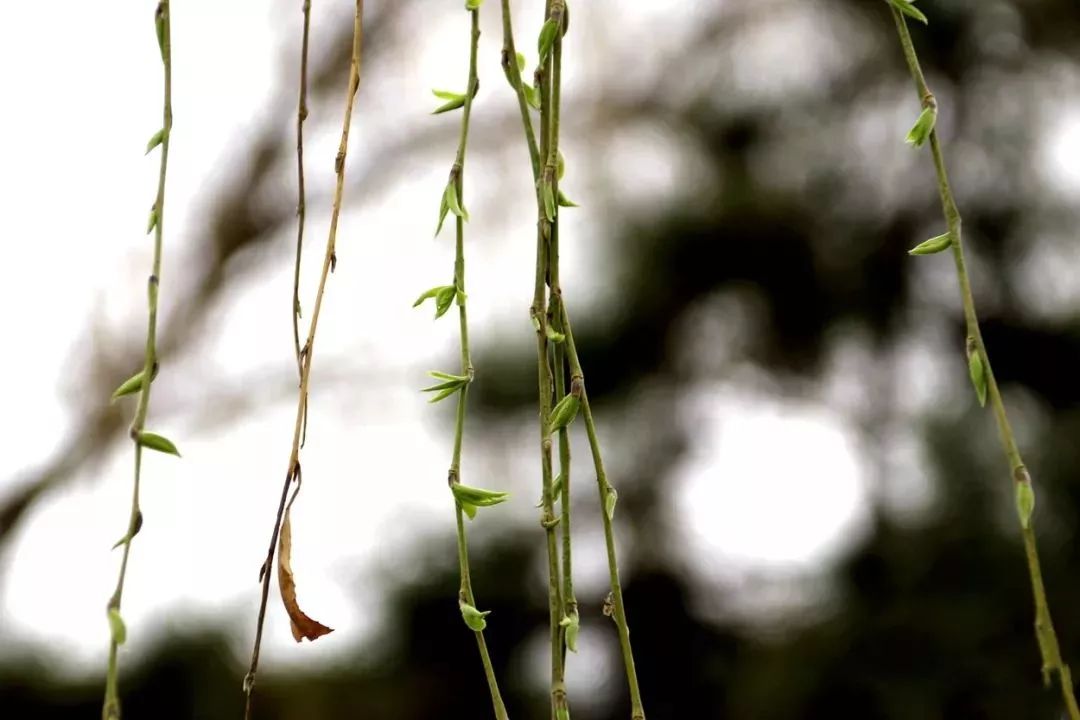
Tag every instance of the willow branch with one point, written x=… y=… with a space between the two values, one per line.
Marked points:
x=301 y=197
x=1044 y=627
x=308 y=350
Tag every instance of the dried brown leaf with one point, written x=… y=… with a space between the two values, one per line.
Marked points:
x=301 y=624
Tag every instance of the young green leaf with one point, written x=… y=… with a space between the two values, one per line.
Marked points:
x=129 y=387
x=933 y=245
x=447 y=376
x=151 y=223
x=478 y=497
x=473 y=617
x=924 y=125
x=443 y=300
x=453 y=103
x=433 y=292
x=155 y=140
x=444 y=207
x=469 y=509
x=117 y=627
x=546 y=39
x=532 y=96
x=564 y=412
x=454 y=202
x=908 y=8
x=565 y=201
x=153 y=441
x=548 y=194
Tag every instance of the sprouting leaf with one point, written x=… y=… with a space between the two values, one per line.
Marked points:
x=1025 y=502
x=132 y=532
x=438 y=375
x=444 y=208
x=933 y=245
x=473 y=4
x=521 y=62
x=564 y=412
x=153 y=441
x=160 y=26
x=443 y=300
x=560 y=166
x=552 y=335
x=565 y=201
x=478 y=497
x=454 y=202
x=473 y=617
x=130 y=386
x=155 y=140
x=546 y=39
x=908 y=8
x=532 y=96
x=469 y=509
x=450 y=385
x=152 y=222
x=977 y=370
x=562 y=713
x=571 y=625
x=923 y=126
x=453 y=101
x=301 y=624
x=610 y=498
x=117 y=627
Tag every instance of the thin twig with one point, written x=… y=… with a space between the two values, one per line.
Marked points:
x=301 y=198
x=457 y=176
x=162 y=21
x=308 y=350
x=1044 y=627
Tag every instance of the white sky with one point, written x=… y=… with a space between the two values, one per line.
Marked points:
x=75 y=198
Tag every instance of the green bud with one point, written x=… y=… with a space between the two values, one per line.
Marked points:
x=454 y=202
x=571 y=624
x=1025 y=502
x=473 y=617
x=552 y=335
x=520 y=63
x=922 y=128
x=977 y=370
x=473 y=4
x=151 y=223
x=564 y=412
x=908 y=8
x=155 y=140
x=936 y=244
x=560 y=165
x=562 y=713
x=153 y=441
x=610 y=498
x=546 y=40
x=117 y=627
x=132 y=532
x=160 y=26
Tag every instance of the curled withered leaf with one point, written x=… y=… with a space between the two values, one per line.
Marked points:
x=302 y=626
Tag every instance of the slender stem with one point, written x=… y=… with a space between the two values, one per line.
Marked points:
x=457 y=176
x=577 y=377
x=111 y=705
x=301 y=199
x=577 y=385
x=1044 y=627
x=569 y=600
x=308 y=350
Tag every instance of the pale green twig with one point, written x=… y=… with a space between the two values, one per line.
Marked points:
x=457 y=176
x=162 y=21
x=1044 y=627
